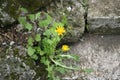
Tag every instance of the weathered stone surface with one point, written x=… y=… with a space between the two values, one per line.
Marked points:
x=104 y=16
x=74 y=12
x=33 y=5
x=9 y=9
x=7 y=12
x=73 y=35
x=15 y=65
x=102 y=54
x=72 y=9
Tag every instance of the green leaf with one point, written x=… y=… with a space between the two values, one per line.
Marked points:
x=28 y=26
x=46 y=22
x=63 y=66
x=47 y=33
x=30 y=41
x=37 y=37
x=61 y=70
x=37 y=15
x=48 y=46
x=43 y=60
x=47 y=62
x=64 y=20
x=56 y=24
x=42 y=53
x=30 y=51
x=31 y=17
x=24 y=10
x=49 y=18
x=56 y=39
x=67 y=56
x=22 y=20
x=34 y=56
x=49 y=41
x=76 y=57
x=38 y=49
x=49 y=69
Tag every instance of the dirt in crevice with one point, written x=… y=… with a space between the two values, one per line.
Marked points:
x=8 y=35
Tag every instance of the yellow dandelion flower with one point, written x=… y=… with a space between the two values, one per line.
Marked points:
x=60 y=30
x=65 y=48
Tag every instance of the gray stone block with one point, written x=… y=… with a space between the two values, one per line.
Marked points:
x=104 y=16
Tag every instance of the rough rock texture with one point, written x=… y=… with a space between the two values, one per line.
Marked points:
x=15 y=65
x=7 y=12
x=72 y=9
x=104 y=16
x=74 y=13
x=33 y=5
x=102 y=54
x=9 y=9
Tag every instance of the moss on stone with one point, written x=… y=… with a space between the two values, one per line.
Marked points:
x=9 y=9
x=33 y=5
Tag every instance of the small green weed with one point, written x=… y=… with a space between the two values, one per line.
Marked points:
x=42 y=44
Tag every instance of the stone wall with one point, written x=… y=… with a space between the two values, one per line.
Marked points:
x=73 y=10
x=104 y=16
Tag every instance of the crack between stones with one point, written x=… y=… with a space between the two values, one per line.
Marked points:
x=86 y=21
x=86 y=6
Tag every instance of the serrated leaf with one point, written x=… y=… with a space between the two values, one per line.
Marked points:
x=28 y=26
x=62 y=65
x=30 y=51
x=37 y=37
x=75 y=57
x=67 y=56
